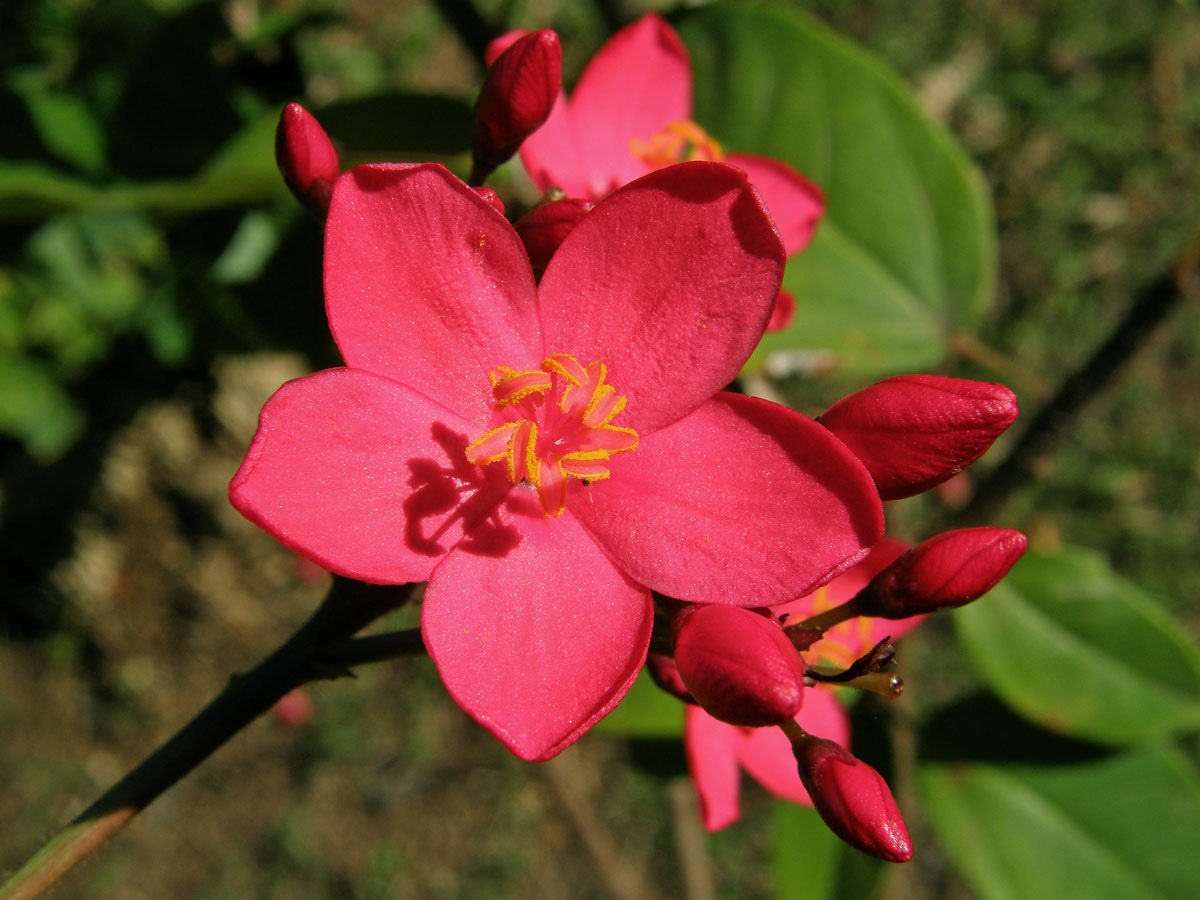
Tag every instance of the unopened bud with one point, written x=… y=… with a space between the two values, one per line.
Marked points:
x=546 y=226
x=948 y=570
x=496 y=46
x=853 y=799
x=738 y=665
x=783 y=312
x=666 y=675
x=306 y=158
x=517 y=95
x=913 y=432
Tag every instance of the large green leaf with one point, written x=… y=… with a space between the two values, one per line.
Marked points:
x=1069 y=644
x=906 y=252
x=809 y=862
x=1123 y=828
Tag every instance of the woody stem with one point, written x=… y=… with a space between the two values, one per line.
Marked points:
x=305 y=656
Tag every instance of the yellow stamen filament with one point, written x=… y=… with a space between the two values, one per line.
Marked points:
x=546 y=443
x=682 y=141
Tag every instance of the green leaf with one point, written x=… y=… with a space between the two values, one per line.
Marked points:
x=1069 y=644
x=809 y=862
x=35 y=409
x=1122 y=828
x=645 y=712
x=68 y=130
x=906 y=252
x=804 y=854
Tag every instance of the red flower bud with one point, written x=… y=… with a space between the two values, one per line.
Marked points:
x=496 y=46
x=666 y=675
x=913 y=432
x=306 y=158
x=739 y=666
x=517 y=95
x=948 y=570
x=852 y=799
x=544 y=227
x=783 y=313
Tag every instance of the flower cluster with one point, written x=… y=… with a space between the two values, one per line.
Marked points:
x=531 y=418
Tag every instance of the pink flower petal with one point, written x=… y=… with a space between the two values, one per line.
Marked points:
x=716 y=750
x=553 y=156
x=427 y=284
x=540 y=638
x=363 y=476
x=783 y=313
x=885 y=551
x=711 y=748
x=744 y=502
x=796 y=204
x=669 y=282
x=766 y=753
x=860 y=634
x=638 y=83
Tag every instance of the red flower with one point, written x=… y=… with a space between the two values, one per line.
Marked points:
x=631 y=113
x=716 y=751
x=545 y=455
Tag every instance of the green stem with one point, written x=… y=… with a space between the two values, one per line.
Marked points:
x=348 y=608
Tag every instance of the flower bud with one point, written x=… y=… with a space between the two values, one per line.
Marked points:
x=738 y=665
x=544 y=227
x=496 y=46
x=517 y=95
x=913 y=432
x=948 y=570
x=306 y=158
x=852 y=799
x=666 y=675
x=783 y=312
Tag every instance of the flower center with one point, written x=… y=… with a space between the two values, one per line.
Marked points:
x=558 y=426
x=679 y=142
x=844 y=643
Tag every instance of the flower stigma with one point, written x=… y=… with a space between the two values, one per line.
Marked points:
x=682 y=141
x=557 y=426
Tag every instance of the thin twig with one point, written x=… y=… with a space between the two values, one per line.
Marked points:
x=348 y=608
x=694 y=862
x=371 y=649
x=622 y=880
